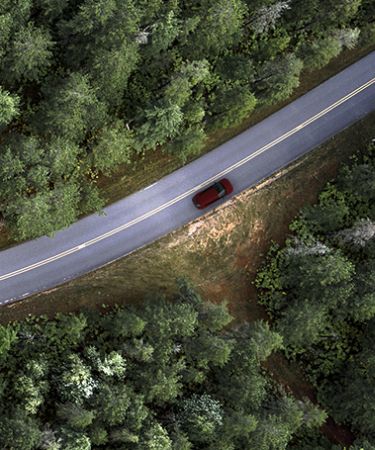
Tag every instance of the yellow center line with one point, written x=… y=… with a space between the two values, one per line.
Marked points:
x=192 y=190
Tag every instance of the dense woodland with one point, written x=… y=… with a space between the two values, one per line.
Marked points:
x=87 y=85
x=320 y=291
x=163 y=376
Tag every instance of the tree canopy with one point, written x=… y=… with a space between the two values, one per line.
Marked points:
x=164 y=375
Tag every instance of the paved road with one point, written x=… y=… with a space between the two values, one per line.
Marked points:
x=164 y=206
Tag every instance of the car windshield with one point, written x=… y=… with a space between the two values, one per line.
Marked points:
x=220 y=188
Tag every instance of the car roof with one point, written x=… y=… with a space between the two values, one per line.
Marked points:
x=208 y=196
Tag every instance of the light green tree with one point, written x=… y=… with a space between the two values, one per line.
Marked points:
x=74 y=416
x=200 y=417
x=9 y=107
x=113 y=146
x=276 y=79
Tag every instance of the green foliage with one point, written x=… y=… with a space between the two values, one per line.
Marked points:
x=313 y=416
x=113 y=402
x=74 y=441
x=188 y=142
x=276 y=79
x=320 y=291
x=318 y=53
x=156 y=438
x=75 y=380
x=70 y=109
x=113 y=146
x=162 y=123
x=125 y=379
x=8 y=337
x=29 y=55
x=330 y=214
x=9 y=107
x=75 y=416
x=19 y=432
x=231 y=104
x=218 y=26
x=200 y=416
x=44 y=212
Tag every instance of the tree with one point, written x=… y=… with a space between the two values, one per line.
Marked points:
x=207 y=350
x=356 y=237
x=219 y=27
x=317 y=276
x=100 y=27
x=114 y=146
x=232 y=103
x=164 y=32
x=19 y=432
x=156 y=438
x=112 y=402
x=75 y=382
x=61 y=158
x=162 y=123
x=313 y=415
x=43 y=213
x=181 y=441
x=362 y=305
x=122 y=435
x=240 y=382
x=75 y=416
x=8 y=337
x=121 y=324
x=276 y=429
x=29 y=56
x=72 y=440
x=29 y=393
x=109 y=72
x=51 y=9
x=237 y=427
x=9 y=107
x=6 y=23
x=266 y=17
x=303 y=323
x=66 y=331
x=277 y=79
x=188 y=142
x=351 y=397
x=111 y=365
x=71 y=109
x=12 y=180
x=199 y=417
x=348 y=37
x=319 y=52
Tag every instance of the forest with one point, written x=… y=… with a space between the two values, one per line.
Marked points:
x=168 y=375
x=319 y=290
x=88 y=85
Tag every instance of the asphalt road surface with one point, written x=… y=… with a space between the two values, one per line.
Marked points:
x=147 y=215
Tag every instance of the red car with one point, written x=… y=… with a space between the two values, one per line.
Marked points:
x=215 y=192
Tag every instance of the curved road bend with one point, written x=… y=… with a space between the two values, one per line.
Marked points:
x=147 y=215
